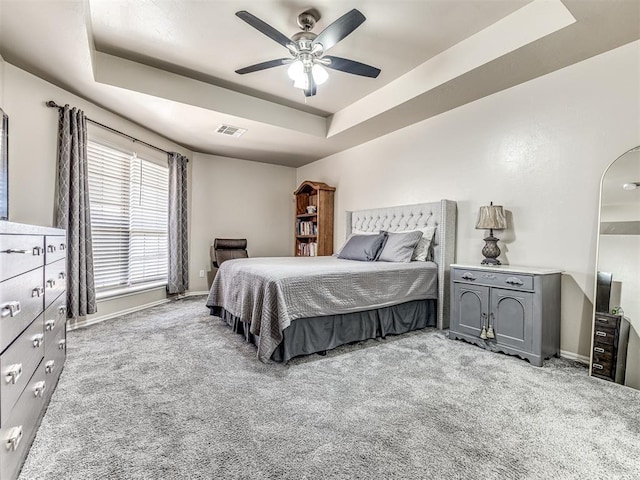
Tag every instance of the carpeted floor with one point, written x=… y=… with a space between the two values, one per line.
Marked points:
x=171 y=392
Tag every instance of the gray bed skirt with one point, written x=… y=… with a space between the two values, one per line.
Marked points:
x=318 y=334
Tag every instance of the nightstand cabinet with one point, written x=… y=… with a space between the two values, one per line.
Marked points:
x=610 y=340
x=514 y=310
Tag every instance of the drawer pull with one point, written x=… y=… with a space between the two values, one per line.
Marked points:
x=62 y=310
x=62 y=246
x=11 y=309
x=14 y=372
x=51 y=248
x=49 y=325
x=49 y=366
x=37 y=292
x=38 y=340
x=514 y=281
x=61 y=276
x=468 y=276
x=490 y=276
x=14 y=438
x=37 y=251
x=51 y=283
x=601 y=334
x=39 y=388
x=62 y=344
x=598 y=349
x=597 y=366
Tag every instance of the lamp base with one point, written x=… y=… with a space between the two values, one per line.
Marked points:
x=491 y=251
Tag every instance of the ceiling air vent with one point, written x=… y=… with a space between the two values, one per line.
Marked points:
x=231 y=131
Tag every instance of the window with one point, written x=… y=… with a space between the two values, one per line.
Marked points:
x=129 y=209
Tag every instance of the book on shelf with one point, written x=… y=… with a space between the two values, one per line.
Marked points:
x=307 y=249
x=306 y=228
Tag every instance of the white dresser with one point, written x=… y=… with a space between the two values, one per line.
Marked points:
x=32 y=333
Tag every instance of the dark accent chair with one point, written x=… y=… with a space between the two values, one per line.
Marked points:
x=224 y=249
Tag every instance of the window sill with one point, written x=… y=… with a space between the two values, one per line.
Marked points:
x=127 y=291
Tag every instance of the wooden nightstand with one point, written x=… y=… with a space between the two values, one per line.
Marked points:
x=518 y=308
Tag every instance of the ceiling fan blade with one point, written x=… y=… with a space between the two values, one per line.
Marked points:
x=351 y=66
x=263 y=66
x=340 y=29
x=264 y=28
x=312 y=88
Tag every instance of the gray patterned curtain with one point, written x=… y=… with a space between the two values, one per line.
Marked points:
x=73 y=211
x=178 y=246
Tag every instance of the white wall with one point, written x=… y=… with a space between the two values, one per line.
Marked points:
x=239 y=199
x=539 y=149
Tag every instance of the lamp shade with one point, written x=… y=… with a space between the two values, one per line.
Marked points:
x=491 y=217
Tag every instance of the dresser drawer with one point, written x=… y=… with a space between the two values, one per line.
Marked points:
x=607 y=321
x=55 y=247
x=601 y=350
x=55 y=280
x=54 y=359
x=19 y=254
x=494 y=279
x=602 y=368
x=21 y=300
x=18 y=430
x=17 y=364
x=55 y=318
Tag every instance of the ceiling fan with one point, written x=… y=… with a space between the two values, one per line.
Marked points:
x=308 y=49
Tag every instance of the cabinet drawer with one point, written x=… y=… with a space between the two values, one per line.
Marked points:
x=604 y=369
x=17 y=365
x=603 y=350
x=494 y=279
x=20 y=253
x=55 y=280
x=21 y=300
x=604 y=335
x=55 y=247
x=19 y=429
x=607 y=321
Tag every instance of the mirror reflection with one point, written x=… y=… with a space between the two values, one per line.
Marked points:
x=616 y=341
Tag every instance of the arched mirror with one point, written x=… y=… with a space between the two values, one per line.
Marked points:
x=615 y=349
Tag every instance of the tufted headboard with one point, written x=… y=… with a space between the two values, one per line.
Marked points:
x=442 y=214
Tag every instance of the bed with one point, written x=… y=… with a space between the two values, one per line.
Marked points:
x=291 y=306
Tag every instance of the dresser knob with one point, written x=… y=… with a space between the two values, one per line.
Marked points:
x=51 y=248
x=601 y=334
x=14 y=372
x=598 y=350
x=597 y=366
x=62 y=310
x=62 y=246
x=49 y=366
x=51 y=283
x=468 y=276
x=514 y=281
x=37 y=251
x=38 y=340
x=61 y=276
x=62 y=344
x=38 y=389
x=11 y=309
x=14 y=438
x=49 y=325
x=37 y=292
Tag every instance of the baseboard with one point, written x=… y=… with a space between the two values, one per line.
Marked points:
x=119 y=313
x=195 y=294
x=574 y=356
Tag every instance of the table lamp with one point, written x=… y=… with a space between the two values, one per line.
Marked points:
x=491 y=217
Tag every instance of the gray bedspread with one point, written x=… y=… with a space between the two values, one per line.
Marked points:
x=268 y=293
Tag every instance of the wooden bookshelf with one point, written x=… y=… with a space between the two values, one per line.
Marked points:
x=313 y=230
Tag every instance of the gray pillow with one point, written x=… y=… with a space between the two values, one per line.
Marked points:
x=365 y=248
x=399 y=246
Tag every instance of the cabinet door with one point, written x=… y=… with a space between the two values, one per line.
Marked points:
x=511 y=315
x=471 y=302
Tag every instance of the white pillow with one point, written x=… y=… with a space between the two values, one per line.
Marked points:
x=422 y=252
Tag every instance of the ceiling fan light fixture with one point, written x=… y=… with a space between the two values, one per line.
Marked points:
x=296 y=70
x=319 y=73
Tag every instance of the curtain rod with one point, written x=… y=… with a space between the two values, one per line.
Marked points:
x=53 y=104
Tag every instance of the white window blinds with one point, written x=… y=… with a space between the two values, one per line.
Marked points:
x=129 y=201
